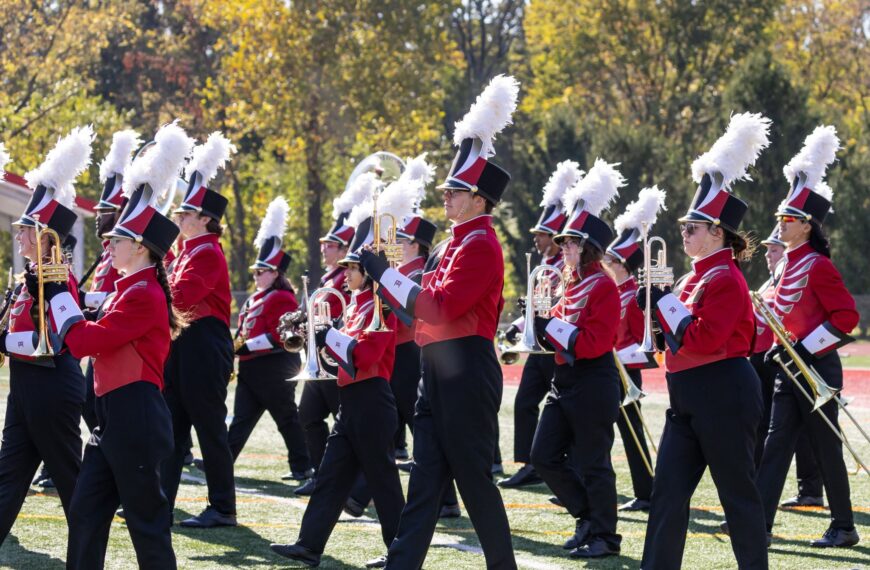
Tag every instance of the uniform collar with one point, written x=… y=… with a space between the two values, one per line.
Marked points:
x=718 y=257
x=551 y=260
x=799 y=252
x=480 y=222
x=332 y=273
x=416 y=263
x=362 y=297
x=126 y=281
x=627 y=285
x=191 y=243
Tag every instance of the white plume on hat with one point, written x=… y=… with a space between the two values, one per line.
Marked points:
x=355 y=193
x=161 y=164
x=4 y=159
x=209 y=157
x=566 y=175
x=489 y=114
x=274 y=222
x=63 y=164
x=747 y=135
x=421 y=173
x=596 y=190
x=362 y=189
x=819 y=150
x=120 y=153
x=643 y=210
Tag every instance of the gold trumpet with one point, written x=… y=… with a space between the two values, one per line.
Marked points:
x=56 y=271
x=318 y=315
x=821 y=391
x=658 y=274
x=539 y=301
x=392 y=250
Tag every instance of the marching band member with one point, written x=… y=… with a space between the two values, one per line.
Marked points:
x=583 y=403
x=363 y=435
x=623 y=257
x=456 y=417
x=774 y=249
x=264 y=365
x=320 y=399
x=129 y=343
x=108 y=210
x=201 y=360
x=819 y=312
x=538 y=369
x=46 y=393
x=715 y=395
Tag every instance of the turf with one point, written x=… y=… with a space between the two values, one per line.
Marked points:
x=268 y=512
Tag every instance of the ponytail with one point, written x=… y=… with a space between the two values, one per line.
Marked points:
x=818 y=240
x=742 y=245
x=177 y=320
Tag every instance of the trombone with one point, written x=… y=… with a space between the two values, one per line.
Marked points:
x=55 y=271
x=821 y=391
x=318 y=315
x=658 y=274
x=632 y=395
x=539 y=300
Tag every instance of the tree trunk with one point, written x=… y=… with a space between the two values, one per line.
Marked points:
x=238 y=238
x=316 y=190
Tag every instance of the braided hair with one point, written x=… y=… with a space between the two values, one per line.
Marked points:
x=818 y=240
x=178 y=321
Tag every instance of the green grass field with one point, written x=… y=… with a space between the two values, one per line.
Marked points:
x=269 y=512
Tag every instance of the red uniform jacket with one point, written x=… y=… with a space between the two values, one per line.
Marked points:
x=200 y=280
x=104 y=279
x=130 y=341
x=586 y=318
x=463 y=296
x=362 y=354
x=336 y=279
x=414 y=270
x=629 y=333
x=23 y=328
x=258 y=321
x=813 y=302
x=721 y=323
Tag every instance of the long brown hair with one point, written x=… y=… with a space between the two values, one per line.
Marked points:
x=742 y=245
x=178 y=321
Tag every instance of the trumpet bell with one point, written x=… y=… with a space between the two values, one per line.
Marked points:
x=312 y=370
x=294 y=343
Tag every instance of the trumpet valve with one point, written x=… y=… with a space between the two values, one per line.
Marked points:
x=55 y=272
x=393 y=252
x=542 y=304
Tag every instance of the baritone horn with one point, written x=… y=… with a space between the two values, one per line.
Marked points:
x=53 y=271
x=539 y=301
x=393 y=252
x=656 y=274
x=319 y=314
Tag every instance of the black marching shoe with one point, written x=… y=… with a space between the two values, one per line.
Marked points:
x=120 y=514
x=497 y=469
x=597 y=548
x=298 y=475
x=305 y=489
x=379 y=562
x=556 y=501
x=188 y=459
x=405 y=465
x=525 y=477
x=402 y=454
x=210 y=518
x=723 y=526
x=581 y=535
x=298 y=553
x=47 y=483
x=354 y=508
x=449 y=512
x=837 y=537
x=803 y=501
x=635 y=505
x=199 y=464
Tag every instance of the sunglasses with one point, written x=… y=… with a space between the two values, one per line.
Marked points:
x=449 y=193
x=691 y=227
x=259 y=272
x=789 y=219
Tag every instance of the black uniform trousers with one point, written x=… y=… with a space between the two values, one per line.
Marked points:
x=43 y=413
x=534 y=385
x=712 y=422
x=319 y=400
x=579 y=414
x=454 y=434
x=405 y=383
x=263 y=386
x=641 y=480
x=122 y=466
x=362 y=439
x=89 y=410
x=792 y=413
x=809 y=475
x=196 y=375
